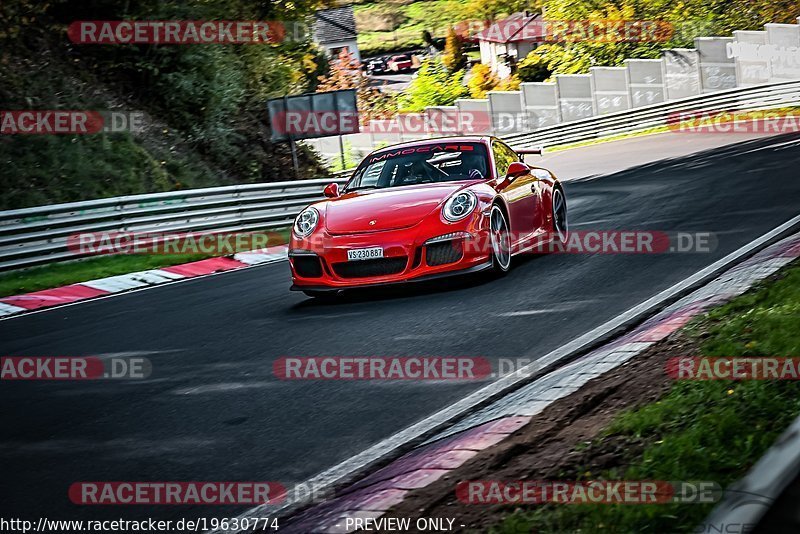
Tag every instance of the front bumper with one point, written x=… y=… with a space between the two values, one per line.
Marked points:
x=321 y=263
x=424 y=278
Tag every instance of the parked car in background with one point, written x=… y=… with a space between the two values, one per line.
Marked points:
x=376 y=65
x=400 y=63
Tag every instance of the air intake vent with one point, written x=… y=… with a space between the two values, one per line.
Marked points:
x=369 y=268
x=444 y=252
x=307 y=266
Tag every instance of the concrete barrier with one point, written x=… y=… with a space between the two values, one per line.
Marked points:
x=385 y=132
x=575 y=98
x=478 y=110
x=747 y=51
x=506 y=111
x=412 y=126
x=682 y=72
x=785 y=51
x=540 y=102
x=646 y=81
x=442 y=120
x=610 y=86
x=717 y=70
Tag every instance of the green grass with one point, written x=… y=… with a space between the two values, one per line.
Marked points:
x=711 y=431
x=48 y=276
x=410 y=21
x=72 y=272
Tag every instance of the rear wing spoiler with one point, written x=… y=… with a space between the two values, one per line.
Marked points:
x=533 y=150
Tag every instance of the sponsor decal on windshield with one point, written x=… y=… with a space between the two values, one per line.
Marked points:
x=420 y=150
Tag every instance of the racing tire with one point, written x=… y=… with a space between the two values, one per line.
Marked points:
x=500 y=241
x=559 y=214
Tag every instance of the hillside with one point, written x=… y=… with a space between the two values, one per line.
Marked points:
x=202 y=106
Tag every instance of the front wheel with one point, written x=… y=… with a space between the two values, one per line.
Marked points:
x=560 y=225
x=501 y=240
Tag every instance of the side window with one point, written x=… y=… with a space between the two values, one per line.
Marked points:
x=503 y=157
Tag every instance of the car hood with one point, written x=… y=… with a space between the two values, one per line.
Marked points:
x=374 y=210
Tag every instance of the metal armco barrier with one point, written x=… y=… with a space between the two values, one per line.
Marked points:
x=768 y=96
x=35 y=236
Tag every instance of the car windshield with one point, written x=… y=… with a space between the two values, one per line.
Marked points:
x=421 y=164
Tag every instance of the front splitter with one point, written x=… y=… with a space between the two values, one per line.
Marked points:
x=425 y=278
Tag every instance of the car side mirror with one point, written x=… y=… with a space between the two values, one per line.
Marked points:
x=517 y=169
x=331 y=190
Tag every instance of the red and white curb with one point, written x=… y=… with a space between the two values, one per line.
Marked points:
x=372 y=496
x=128 y=282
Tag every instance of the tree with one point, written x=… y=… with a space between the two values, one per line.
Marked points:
x=345 y=73
x=454 y=57
x=682 y=22
x=481 y=80
x=535 y=66
x=427 y=38
x=434 y=85
x=509 y=84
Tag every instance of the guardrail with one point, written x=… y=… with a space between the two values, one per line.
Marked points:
x=38 y=235
x=34 y=236
x=765 y=97
x=747 y=501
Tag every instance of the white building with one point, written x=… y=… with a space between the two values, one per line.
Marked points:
x=507 y=41
x=335 y=29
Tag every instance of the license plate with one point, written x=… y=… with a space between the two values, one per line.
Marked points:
x=364 y=253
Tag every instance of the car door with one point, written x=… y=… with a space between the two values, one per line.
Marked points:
x=521 y=195
x=544 y=185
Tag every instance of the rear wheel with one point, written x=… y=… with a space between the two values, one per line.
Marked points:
x=501 y=240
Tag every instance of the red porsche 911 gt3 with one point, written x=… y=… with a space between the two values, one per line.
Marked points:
x=426 y=209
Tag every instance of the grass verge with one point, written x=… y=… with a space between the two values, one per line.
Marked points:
x=712 y=431
x=72 y=272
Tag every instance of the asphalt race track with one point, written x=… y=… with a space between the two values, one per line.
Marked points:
x=212 y=409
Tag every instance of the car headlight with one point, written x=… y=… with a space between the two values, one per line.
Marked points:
x=306 y=222
x=459 y=206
